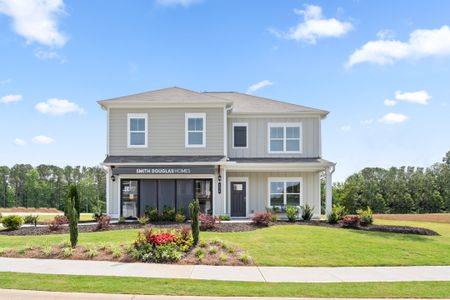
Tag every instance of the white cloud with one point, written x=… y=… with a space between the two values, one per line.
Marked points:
x=389 y=102
x=46 y=55
x=393 y=118
x=366 y=122
x=42 y=139
x=421 y=43
x=10 y=99
x=19 y=142
x=259 y=85
x=385 y=34
x=58 y=107
x=184 y=3
x=314 y=26
x=36 y=21
x=346 y=128
x=420 y=97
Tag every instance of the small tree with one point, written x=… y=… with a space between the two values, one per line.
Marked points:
x=194 y=208
x=72 y=215
x=73 y=195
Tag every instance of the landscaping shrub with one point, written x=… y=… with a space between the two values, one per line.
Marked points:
x=307 y=212
x=366 y=216
x=57 y=223
x=180 y=217
x=97 y=215
x=350 y=221
x=74 y=197
x=143 y=220
x=30 y=219
x=103 y=222
x=168 y=214
x=292 y=213
x=206 y=221
x=224 y=218
x=152 y=214
x=12 y=222
x=337 y=213
x=262 y=218
x=194 y=208
x=162 y=245
x=73 y=216
x=121 y=220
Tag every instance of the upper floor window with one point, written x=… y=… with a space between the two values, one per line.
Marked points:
x=285 y=137
x=195 y=130
x=137 y=130
x=240 y=135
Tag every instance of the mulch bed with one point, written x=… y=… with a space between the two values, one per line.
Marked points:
x=220 y=227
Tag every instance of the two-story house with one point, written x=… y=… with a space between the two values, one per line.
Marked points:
x=237 y=153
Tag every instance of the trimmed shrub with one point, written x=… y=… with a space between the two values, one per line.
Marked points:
x=337 y=213
x=350 y=221
x=206 y=221
x=73 y=218
x=366 y=216
x=103 y=222
x=57 y=223
x=180 y=217
x=31 y=220
x=143 y=220
x=74 y=197
x=97 y=215
x=224 y=218
x=262 y=218
x=152 y=214
x=194 y=208
x=168 y=214
x=292 y=213
x=12 y=222
x=307 y=212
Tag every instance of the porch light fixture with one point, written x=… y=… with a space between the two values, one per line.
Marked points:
x=113 y=178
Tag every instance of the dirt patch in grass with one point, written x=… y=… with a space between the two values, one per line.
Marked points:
x=439 y=218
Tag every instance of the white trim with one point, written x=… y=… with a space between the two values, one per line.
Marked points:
x=225 y=133
x=231 y=179
x=224 y=190
x=187 y=116
x=107 y=131
x=284 y=179
x=137 y=116
x=107 y=193
x=119 y=196
x=239 y=124
x=284 y=125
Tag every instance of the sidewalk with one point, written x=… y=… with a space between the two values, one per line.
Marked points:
x=38 y=295
x=228 y=273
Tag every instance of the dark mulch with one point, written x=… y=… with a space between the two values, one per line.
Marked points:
x=220 y=227
x=380 y=228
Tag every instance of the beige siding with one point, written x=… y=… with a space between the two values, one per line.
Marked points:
x=166 y=132
x=259 y=190
x=258 y=137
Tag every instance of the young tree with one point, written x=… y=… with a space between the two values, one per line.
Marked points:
x=72 y=215
x=194 y=208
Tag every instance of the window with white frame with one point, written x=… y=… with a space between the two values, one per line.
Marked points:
x=195 y=130
x=240 y=135
x=285 y=137
x=137 y=130
x=285 y=192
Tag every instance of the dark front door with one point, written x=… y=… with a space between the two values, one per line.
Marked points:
x=238 y=198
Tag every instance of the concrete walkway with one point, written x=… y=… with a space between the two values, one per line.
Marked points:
x=228 y=273
x=38 y=295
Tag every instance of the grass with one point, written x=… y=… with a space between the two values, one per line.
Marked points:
x=440 y=217
x=185 y=287
x=298 y=245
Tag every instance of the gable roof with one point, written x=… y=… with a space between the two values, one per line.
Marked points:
x=172 y=95
x=241 y=103
x=248 y=104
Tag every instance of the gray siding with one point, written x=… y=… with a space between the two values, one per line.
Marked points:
x=166 y=132
x=258 y=138
x=258 y=189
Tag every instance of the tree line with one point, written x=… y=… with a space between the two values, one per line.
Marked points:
x=397 y=190
x=47 y=186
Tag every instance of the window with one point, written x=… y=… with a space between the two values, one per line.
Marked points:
x=195 y=129
x=285 y=192
x=137 y=130
x=240 y=139
x=285 y=137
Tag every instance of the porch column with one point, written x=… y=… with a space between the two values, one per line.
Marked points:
x=329 y=194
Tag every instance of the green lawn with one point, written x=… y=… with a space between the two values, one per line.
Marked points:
x=132 y=285
x=301 y=245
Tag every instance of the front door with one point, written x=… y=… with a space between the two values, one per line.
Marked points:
x=238 y=198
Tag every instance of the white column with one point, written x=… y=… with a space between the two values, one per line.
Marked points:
x=329 y=194
x=224 y=190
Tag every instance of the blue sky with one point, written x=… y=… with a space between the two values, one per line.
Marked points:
x=58 y=58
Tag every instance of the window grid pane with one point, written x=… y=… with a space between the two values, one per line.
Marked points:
x=137 y=131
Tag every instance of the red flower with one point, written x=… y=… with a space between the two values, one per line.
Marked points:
x=161 y=239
